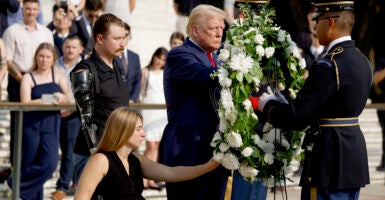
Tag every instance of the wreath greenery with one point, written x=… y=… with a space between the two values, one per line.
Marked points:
x=256 y=51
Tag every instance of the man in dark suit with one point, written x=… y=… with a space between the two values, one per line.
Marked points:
x=191 y=111
x=334 y=95
x=92 y=10
x=131 y=67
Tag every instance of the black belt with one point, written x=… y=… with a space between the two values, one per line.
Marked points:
x=338 y=122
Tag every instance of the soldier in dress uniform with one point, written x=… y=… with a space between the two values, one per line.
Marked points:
x=331 y=100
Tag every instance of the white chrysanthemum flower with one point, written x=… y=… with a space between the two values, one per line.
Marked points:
x=288 y=38
x=296 y=52
x=259 y=38
x=256 y=80
x=235 y=50
x=223 y=79
x=239 y=76
x=291 y=47
x=284 y=143
x=234 y=139
x=255 y=139
x=247 y=171
x=247 y=104
x=217 y=137
x=241 y=62
x=231 y=115
x=225 y=83
x=224 y=54
x=297 y=151
x=218 y=156
x=227 y=45
x=272 y=136
x=260 y=51
x=269 y=158
x=281 y=36
x=251 y=29
x=275 y=28
x=281 y=87
x=293 y=67
x=222 y=125
x=267 y=127
x=269 y=52
x=223 y=147
x=230 y=161
x=227 y=99
x=223 y=73
x=292 y=93
x=266 y=147
x=302 y=63
x=246 y=152
x=253 y=115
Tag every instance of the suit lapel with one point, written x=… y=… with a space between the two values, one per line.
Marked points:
x=199 y=53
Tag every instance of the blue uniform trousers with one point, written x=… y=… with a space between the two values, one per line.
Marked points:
x=244 y=190
x=325 y=194
x=69 y=129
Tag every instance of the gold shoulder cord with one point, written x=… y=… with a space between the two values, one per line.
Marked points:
x=336 y=51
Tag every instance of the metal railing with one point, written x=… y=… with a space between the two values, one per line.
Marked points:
x=21 y=107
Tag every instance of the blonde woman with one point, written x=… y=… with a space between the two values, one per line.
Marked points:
x=41 y=128
x=114 y=171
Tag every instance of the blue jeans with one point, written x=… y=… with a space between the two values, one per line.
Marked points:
x=244 y=190
x=80 y=162
x=68 y=131
x=325 y=194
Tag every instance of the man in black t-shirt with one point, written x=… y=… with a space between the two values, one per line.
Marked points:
x=99 y=86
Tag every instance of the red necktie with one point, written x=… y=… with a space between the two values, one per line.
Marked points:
x=211 y=59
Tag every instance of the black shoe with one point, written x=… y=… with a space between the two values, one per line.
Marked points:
x=5 y=174
x=380 y=168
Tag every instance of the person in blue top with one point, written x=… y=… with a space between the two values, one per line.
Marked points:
x=40 y=142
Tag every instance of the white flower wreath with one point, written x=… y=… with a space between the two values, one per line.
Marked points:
x=256 y=51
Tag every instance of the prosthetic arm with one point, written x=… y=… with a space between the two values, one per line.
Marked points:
x=82 y=82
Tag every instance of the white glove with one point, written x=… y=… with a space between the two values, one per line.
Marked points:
x=281 y=98
x=265 y=97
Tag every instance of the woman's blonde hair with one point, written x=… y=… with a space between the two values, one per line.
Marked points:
x=120 y=126
x=48 y=46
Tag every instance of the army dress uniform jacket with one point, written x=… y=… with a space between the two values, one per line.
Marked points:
x=338 y=158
